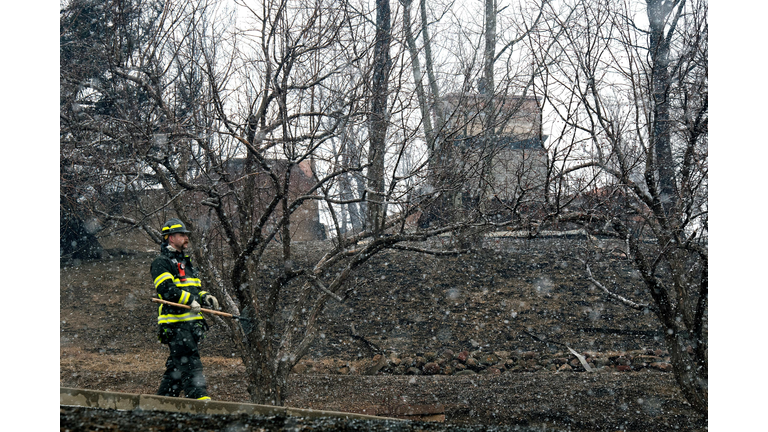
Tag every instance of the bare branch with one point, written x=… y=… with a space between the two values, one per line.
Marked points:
x=624 y=300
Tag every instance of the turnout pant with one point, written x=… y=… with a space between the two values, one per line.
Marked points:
x=183 y=369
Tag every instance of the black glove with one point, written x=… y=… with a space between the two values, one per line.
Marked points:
x=211 y=301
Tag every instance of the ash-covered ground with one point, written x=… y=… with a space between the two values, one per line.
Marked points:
x=513 y=296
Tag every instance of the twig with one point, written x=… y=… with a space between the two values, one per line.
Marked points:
x=581 y=358
x=372 y=346
x=322 y=288
x=429 y=251
x=613 y=295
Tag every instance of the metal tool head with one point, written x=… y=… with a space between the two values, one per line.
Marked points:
x=247 y=322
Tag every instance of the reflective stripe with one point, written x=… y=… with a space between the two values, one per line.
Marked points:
x=169 y=319
x=184 y=299
x=204 y=398
x=171 y=227
x=162 y=278
x=188 y=282
x=202 y=293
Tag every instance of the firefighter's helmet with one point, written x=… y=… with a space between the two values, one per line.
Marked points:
x=174 y=226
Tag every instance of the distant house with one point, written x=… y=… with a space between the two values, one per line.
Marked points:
x=507 y=148
x=305 y=221
x=494 y=161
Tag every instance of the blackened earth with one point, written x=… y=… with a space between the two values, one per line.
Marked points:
x=512 y=296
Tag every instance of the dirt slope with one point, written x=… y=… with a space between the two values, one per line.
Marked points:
x=510 y=296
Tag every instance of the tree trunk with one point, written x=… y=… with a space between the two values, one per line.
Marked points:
x=487 y=90
x=379 y=117
x=266 y=384
x=686 y=349
x=349 y=187
x=690 y=370
x=489 y=55
x=443 y=150
x=429 y=62
x=683 y=334
x=658 y=15
x=416 y=69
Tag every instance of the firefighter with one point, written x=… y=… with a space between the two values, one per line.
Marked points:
x=176 y=280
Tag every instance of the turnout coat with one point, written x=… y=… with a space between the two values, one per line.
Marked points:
x=176 y=280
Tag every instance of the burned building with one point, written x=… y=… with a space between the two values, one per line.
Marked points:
x=500 y=145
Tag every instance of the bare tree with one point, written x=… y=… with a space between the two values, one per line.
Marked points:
x=104 y=120
x=238 y=132
x=632 y=154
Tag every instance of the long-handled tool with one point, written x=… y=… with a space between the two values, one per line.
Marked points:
x=210 y=311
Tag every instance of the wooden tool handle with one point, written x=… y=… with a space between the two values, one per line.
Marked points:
x=210 y=311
